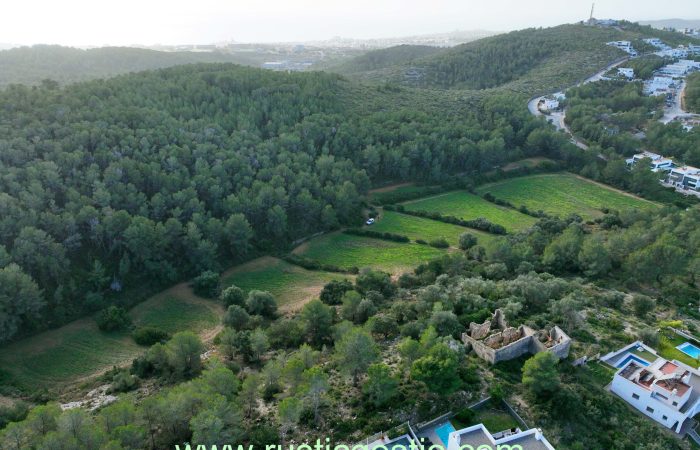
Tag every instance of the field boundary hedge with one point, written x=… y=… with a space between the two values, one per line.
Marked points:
x=312 y=264
x=377 y=235
x=480 y=223
x=489 y=197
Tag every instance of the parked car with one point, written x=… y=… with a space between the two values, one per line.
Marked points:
x=370 y=221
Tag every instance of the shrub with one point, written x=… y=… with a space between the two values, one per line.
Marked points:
x=206 y=284
x=236 y=317
x=466 y=416
x=233 y=295
x=333 y=291
x=148 y=336
x=649 y=336
x=261 y=303
x=439 y=243
x=467 y=241
x=113 y=318
x=642 y=305
x=123 y=381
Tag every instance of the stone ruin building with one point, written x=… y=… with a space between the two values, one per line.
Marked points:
x=495 y=341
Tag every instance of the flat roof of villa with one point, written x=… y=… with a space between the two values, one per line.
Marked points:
x=475 y=438
x=680 y=387
x=528 y=442
x=668 y=368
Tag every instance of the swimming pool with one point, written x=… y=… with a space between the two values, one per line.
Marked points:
x=689 y=349
x=400 y=444
x=443 y=432
x=631 y=357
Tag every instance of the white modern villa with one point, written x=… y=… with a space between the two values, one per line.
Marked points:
x=666 y=391
x=441 y=434
x=658 y=162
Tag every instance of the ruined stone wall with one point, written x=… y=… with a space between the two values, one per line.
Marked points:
x=514 y=350
x=562 y=348
x=529 y=343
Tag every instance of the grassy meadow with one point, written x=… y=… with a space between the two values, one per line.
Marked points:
x=79 y=349
x=562 y=194
x=427 y=229
x=291 y=285
x=468 y=206
x=347 y=251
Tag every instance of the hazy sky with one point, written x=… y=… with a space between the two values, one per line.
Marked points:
x=124 y=22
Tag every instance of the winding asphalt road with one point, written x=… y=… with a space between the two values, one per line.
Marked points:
x=557 y=118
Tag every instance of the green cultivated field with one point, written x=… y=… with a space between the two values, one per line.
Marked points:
x=348 y=251
x=80 y=349
x=426 y=229
x=563 y=194
x=469 y=206
x=291 y=285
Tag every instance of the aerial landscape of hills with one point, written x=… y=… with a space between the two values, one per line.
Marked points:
x=483 y=238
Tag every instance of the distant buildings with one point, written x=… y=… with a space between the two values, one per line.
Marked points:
x=658 y=86
x=626 y=72
x=287 y=66
x=684 y=178
x=658 y=162
x=680 y=69
x=549 y=104
x=658 y=43
x=625 y=46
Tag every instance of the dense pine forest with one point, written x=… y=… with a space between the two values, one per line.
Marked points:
x=153 y=177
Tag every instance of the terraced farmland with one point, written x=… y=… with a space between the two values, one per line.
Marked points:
x=291 y=285
x=349 y=251
x=563 y=194
x=80 y=349
x=468 y=206
x=426 y=229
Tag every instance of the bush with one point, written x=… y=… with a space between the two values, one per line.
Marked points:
x=333 y=291
x=649 y=336
x=123 y=381
x=466 y=416
x=261 y=303
x=439 y=243
x=467 y=241
x=236 y=317
x=206 y=284
x=113 y=318
x=232 y=295
x=148 y=336
x=642 y=305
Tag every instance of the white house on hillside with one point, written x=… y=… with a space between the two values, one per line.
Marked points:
x=626 y=72
x=549 y=104
x=686 y=177
x=658 y=162
x=666 y=391
x=478 y=436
